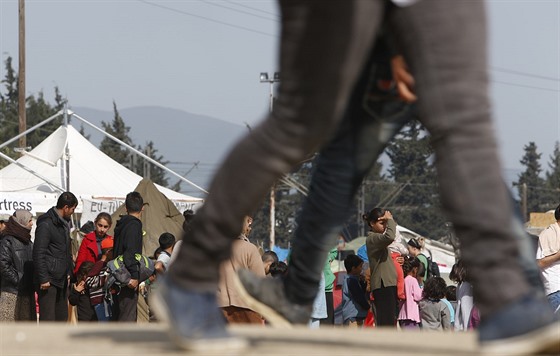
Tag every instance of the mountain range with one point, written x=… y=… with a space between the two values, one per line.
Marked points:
x=184 y=138
x=192 y=144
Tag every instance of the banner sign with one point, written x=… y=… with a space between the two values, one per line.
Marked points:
x=92 y=207
x=35 y=203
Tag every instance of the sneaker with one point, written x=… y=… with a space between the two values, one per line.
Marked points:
x=267 y=297
x=525 y=327
x=196 y=323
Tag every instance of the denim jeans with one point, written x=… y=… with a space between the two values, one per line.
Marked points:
x=324 y=50
x=554 y=300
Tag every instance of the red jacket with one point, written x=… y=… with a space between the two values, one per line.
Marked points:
x=400 y=276
x=88 y=250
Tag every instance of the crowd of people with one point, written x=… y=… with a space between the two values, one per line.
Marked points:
x=387 y=283
x=41 y=276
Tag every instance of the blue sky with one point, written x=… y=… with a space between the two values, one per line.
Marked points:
x=205 y=57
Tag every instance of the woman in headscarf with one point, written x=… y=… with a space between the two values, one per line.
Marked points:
x=16 y=269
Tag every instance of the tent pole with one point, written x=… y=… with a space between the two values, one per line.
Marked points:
x=11 y=160
x=15 y=138
x=151 y=160
x=67 y=150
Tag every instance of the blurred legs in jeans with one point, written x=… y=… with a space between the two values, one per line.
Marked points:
x=324 y=47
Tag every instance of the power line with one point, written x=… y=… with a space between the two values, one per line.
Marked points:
x=236 y=10
x=511 y=71
x=251 y=8
x=206 y=18
x=524 y=86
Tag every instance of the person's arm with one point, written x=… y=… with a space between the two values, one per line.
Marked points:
x=445 y=316
x=133 y=246
x=391 y=231
x=378 y=240
x=8 y=272
x=467 y=303
x=357 y=293
x=403 y=79
x=416 y=290
x=333 y=253
x=254 y=262
x=424 y=260
x=548 y=261
x=82 y=255
x=75 y=292
x=40 y=246
x=159 y=267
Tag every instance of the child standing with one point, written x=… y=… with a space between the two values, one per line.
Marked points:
x=451 y=301
x=409 y=314
x=433 y=312
x=354 y=302
x=465 y=299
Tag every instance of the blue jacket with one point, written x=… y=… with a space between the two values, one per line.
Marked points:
x=354 y=302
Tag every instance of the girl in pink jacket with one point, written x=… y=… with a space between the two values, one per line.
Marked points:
x=409 y=314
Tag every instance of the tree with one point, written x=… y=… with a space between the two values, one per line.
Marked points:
x=118 y=129
x=8 y=110
x=531 y=177
x=553 y=179
x=83 y=132
x=414 y=200
x=37 y=108
x=147 y=169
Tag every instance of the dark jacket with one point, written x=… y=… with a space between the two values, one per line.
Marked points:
x=86 y=312
x=128 y=242
x=16 y=265
x=51 y=251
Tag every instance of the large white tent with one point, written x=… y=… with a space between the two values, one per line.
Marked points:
x=66 y=160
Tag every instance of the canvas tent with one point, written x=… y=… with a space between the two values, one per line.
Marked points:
x=66 y=158
x=160 y=215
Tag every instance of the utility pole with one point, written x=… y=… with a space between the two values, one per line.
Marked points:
x=524 y=200
x=361 y=209
x=21 y=76
x=265 y=79
x=523 y=196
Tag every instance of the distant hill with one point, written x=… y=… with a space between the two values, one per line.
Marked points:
x=182 y=138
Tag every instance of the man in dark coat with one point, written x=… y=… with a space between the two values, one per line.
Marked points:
x=128 y=243
x=53 y=258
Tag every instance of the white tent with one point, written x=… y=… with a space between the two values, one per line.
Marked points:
x=66 y=157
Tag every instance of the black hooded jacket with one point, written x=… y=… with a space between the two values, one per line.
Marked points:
x=128 y=242
x=16 y=259
x=52 y=249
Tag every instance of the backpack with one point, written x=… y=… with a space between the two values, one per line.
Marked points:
x=119 y=276
x=433 y=268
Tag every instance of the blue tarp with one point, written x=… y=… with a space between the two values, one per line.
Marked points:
x=282 y=253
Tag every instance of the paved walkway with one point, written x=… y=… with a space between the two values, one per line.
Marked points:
x=151 y=339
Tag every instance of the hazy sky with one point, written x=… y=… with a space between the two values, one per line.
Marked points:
x=205 y=57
